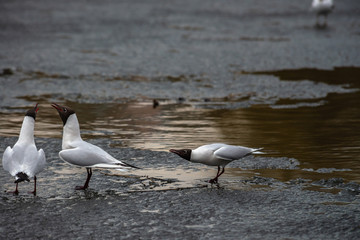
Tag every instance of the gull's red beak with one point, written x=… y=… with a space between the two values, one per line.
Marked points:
x=36 y=108
x=56 y=106
x=174 y=151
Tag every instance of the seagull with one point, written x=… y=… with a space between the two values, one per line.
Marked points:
x=216 y=154
x=80 y=153
x=322 y=7
x=24 y=161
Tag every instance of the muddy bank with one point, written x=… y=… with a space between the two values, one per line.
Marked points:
x=155 y=204
x=188 y=214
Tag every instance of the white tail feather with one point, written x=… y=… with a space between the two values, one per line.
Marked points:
x=257 y=151
x=105 y=165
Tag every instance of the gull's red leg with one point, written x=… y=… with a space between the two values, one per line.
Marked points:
x=214 y=180
x=86 y=185
x=16 y=192
x=34 y=192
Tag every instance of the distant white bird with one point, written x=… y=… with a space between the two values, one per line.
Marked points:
x=78 y=152
x=216 y=154
x=322 y=8
x=24 y=161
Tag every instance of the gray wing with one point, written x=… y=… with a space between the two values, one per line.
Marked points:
x=7 y=161
x=211 y=147
x=94 y=157
x=230 y=153
x=39 y=164
x=32 y=160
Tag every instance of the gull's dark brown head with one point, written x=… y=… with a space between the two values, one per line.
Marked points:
x=32 y=112
x=184 y=153
x=64 y=112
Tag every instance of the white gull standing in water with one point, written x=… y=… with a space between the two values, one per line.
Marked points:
x=322 y=8
x=80 y=153
x=24 y=161
x=216 y=154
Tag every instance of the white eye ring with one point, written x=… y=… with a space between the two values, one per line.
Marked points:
x=65 y=110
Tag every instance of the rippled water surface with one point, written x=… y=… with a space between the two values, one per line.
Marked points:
x=322 y=133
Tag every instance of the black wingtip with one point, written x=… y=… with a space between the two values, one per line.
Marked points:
x=129 y=165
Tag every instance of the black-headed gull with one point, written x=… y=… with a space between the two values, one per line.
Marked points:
x=80 y=153
x=322 y=7
x=24 y=161
x=216 y=154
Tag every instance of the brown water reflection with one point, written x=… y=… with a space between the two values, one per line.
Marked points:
x=338 y=75
x=323 y=137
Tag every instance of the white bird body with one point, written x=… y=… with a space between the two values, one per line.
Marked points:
x=23 y=157
x=78 y=152
x=322 y=6
x=216 y=154
x=219 y=154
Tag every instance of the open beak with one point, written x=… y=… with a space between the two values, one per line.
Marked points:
x=174 y=151
x=36 y=108
x=57 y=107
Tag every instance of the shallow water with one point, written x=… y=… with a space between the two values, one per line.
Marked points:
x=320 y=132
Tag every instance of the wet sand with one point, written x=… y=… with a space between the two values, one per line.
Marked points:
x=170 y=198
x=255 y=75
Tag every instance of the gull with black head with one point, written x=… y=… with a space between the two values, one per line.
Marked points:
x=80 y=153
x=23 y=160
x=216 y=154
